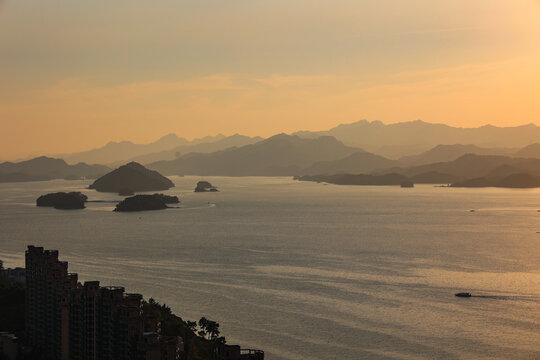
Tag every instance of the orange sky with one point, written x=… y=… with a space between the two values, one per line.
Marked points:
x=75 y=75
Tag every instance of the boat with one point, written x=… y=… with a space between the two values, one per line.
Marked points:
x=463 y=294
x=407 y=184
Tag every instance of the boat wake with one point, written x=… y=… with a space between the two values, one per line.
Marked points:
x=509 y=297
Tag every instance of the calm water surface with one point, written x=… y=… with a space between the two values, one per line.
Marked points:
x=309 y=271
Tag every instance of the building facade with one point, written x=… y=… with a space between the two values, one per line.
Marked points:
x=9 y=346
x=68 y=320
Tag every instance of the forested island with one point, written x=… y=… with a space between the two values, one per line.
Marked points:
x=63 y=200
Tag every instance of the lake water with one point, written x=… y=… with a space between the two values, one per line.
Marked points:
x=310 y=271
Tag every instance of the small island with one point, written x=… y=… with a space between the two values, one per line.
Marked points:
x=168 y=199
x=141 y=203
x=134 y=177
x=205 y=186
x=407 y=184
x=63 y=200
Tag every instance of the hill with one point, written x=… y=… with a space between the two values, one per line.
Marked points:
x=529 y=151
x=279 y=155
x=46 y=168
x=358 y=163
x=132 y=176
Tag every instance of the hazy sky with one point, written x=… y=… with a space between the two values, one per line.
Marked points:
x=75 y=74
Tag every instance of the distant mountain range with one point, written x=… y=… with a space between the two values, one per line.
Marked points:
x=467 y=171
x=444 y=164
x=441 y=153
x=166 y=148
x=124 y=150
x=288 y=155
x=409 y=138
x=202 y=147
x=459 y=154
x=401 y=141
x=472 y=166
x=279 y=155
x=46 y=168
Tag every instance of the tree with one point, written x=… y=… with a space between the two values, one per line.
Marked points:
x=208 y=329
x=192 y=325
x=203 y=323
x=212 y=328
x=166 y=309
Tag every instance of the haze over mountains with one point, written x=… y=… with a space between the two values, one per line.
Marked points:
x=279 y=155
x=409 y=138
x=471 y=166
x=530 y=151
x=393 y=141
x=315 y=153
x=166 y=148
x=201 y=147
x=451 y=152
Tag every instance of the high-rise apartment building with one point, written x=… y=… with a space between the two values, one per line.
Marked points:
x=68 y=320
x=48 y=293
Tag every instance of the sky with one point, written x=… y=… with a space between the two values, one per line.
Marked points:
x=77 y=74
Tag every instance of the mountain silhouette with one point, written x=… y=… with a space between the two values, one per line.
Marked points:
x=132 y=176
x=472 y=166
x=46 y=168
x=529 y=151
x=375 y=136
x=115 y=152
x=361 y=162
x=202 y=147
x=442 y=153
x=278 y=155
